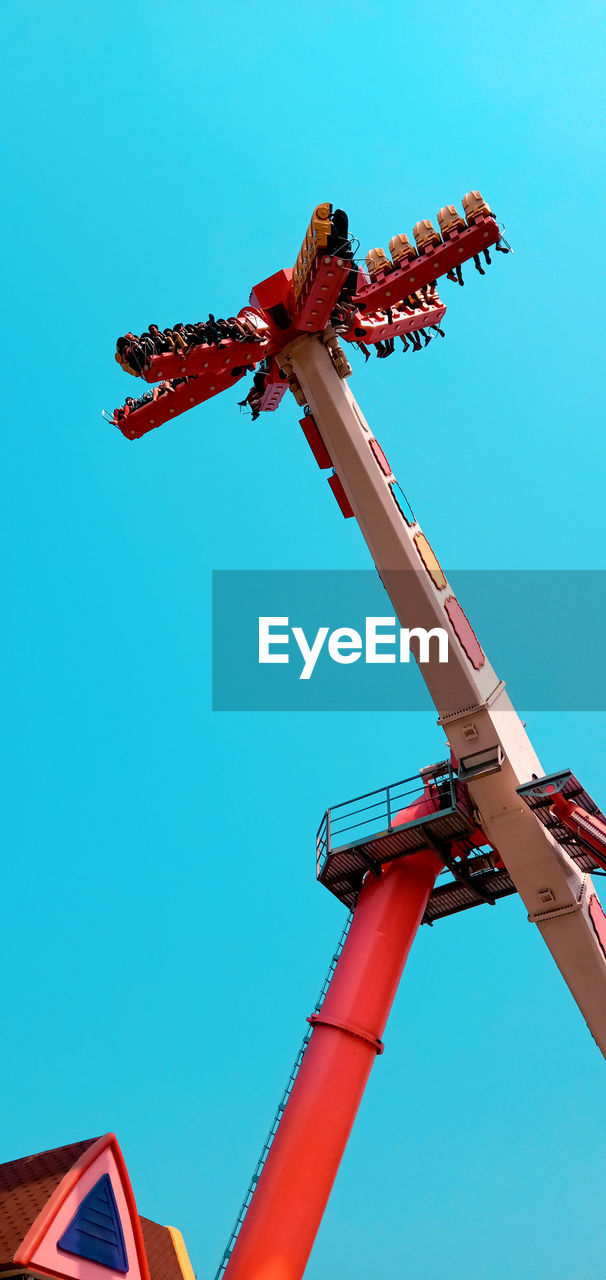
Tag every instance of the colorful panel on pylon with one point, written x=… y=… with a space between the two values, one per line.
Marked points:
x=95 y=1231
x=402 y=502
x=598 y=920
x=380 y=457
x=315 y=442
x=430 y=560
x=341 y=496
x=465 y=633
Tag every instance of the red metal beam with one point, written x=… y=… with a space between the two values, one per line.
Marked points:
x=204 y=360
x=286 y=1209
x=374 y=328
x=320 y=293
x=588 y=829
x=171 y=403
x=392 y=287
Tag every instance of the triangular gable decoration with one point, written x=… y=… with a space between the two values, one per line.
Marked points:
x=95 y=1231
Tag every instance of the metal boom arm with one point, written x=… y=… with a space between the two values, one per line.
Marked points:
x=482 y=727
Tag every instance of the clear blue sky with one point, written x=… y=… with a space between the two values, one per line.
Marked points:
x=163 y=934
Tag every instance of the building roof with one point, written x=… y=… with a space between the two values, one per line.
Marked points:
x=161 y=1257
x=26 y=1186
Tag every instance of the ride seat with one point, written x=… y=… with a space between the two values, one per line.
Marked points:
x=377 y=260
x=425 y=234
x=449 y=220
x=401 y=249
x=474 y=206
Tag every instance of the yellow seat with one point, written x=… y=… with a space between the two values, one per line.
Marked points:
x=425 y=234
x=316 y=237
x=450 y=220
x=474 y=205
x=401 y=249
x=377 y=260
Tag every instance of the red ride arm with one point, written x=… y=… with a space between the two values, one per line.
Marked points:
x=398 y=284
x=205 y=360
x=171 y=403
x=590 y=830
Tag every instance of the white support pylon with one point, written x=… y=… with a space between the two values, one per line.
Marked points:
x=473 y=707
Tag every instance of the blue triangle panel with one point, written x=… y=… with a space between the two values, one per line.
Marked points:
x=95 y=1231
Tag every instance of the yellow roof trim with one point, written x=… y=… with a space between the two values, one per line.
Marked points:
x=187 y=1270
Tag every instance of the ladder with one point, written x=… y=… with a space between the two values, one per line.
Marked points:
x=281 y=1106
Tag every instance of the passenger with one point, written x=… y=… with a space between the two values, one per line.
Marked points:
x=136 y=357
x=129 y=353
x=122 y=345
x=199 y=338
x=477 y=262
x=416 y=341
x=180 y=336
x=341 y=319
x=456 y=275
x=239 y=332
x=148 y=347
x=213 y=331
x=437 y=329
x=255 y=395
x=253 y=400
x=158 y=338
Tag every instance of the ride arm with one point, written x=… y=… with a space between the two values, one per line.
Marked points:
x=170 y=403
x=589 y=830
x=486 y=735
x=375 y=327
x=205 y=360
x=432 y=262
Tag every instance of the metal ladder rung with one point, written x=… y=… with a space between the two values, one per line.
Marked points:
x=281 y=1107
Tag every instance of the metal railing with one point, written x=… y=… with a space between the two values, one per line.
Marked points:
x=370 y=815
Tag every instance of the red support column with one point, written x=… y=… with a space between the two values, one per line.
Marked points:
x=286 y=1209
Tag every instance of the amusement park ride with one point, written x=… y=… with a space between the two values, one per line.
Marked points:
x=469 y=830
x=483 y=824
